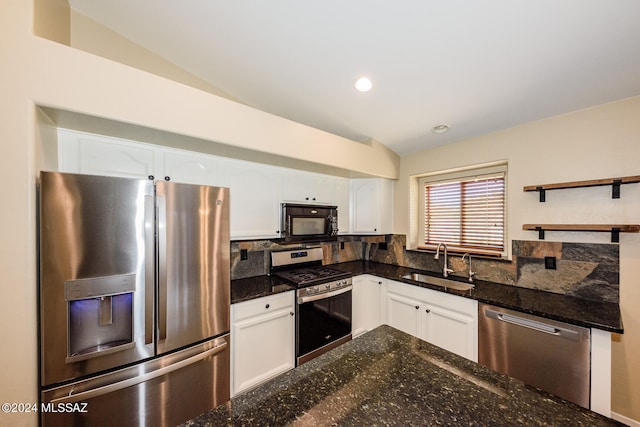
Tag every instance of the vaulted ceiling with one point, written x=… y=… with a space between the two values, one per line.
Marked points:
x=476 y=66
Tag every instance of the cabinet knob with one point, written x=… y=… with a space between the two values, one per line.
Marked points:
x=151 y=177
x=380 y=282
x=291 y=313
x=306 y=198
x=167 y=178
x=428 y=311
x=417 y=307
x=266 y=306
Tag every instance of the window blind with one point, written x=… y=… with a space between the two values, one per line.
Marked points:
x=466 y=213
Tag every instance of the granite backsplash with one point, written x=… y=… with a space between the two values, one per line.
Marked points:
x=583 y=270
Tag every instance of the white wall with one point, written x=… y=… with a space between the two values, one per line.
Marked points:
x=37 y=71
x=601 y=142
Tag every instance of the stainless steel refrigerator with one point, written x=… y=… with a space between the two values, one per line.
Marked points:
x=134 y=300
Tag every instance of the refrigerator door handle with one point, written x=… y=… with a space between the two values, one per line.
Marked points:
x=149 y=273
x=162 y=265
x=220 y=346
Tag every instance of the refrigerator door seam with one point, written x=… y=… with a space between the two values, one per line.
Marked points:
x=162 y=263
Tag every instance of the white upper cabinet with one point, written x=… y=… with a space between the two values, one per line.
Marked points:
x=306 y=187
x=91 y=154
x=342 y=202
x=371 y=206
x=85 y=153
x=257 y=190
x=190 y=168
x=255 y=198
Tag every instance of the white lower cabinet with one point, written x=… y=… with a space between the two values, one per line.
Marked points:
x=445 y=320
x=262 y=340
x=367 y=312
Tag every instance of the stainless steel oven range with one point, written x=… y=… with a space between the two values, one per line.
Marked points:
x=323 y=300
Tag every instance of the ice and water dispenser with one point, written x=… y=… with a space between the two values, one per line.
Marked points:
x=99 y=315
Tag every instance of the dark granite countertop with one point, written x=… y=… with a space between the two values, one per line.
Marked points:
x=257 y=287
x=387 y=377
x=599 y=315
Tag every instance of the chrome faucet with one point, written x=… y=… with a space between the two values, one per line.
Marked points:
x=471 y=273
x=445 y=269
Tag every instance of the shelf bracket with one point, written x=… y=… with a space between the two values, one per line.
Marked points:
x=615 y=193
x=542 y=194
x=615 y=235
x=540 y=232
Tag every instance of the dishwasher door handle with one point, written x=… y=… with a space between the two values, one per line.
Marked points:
x=533 y=324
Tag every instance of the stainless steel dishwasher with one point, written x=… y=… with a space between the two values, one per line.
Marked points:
x=547 y=354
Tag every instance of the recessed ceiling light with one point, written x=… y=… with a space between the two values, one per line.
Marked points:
x=440 y=129
x=363 y=84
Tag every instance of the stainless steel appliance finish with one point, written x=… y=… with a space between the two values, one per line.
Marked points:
x=323 y=318
x=309 y=223
x=129 y=272
x=162 y=391
x=547 y=354
x=324 y=300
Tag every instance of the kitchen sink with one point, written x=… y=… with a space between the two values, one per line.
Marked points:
x=438 y=281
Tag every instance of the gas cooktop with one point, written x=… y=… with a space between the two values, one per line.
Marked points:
x=303 y=267
x=311 y=275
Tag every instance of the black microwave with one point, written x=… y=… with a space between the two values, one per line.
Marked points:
x=309 y=223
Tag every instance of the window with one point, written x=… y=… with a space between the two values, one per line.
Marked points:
x=466 y=212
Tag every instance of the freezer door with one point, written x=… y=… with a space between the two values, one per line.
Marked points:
x=96 y=274
x=163 y=392
x=193 y=263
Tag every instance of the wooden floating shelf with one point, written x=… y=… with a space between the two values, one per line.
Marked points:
x=614 y=229
x=615 y=182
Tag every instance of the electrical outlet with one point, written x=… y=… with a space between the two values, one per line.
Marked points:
x=382 y=246
x=244 y=255
x=550 y=262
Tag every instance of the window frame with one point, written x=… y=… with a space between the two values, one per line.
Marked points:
x=477 y=172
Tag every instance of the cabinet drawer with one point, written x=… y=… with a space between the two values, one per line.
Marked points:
x=262 y=305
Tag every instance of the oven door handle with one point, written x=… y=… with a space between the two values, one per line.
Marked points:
x=302 y=300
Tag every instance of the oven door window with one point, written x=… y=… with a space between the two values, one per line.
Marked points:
x=323 y=321
x=308 y=226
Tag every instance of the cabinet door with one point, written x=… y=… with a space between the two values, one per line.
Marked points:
x=364 y=205
x=451 y=330
x=263 y=341
x=189 y=168
x=306 y=187
x=255 y=199
x=403 y=313
x=342 y=201
x=367 y=303
x=100 y=155
x=371 y=206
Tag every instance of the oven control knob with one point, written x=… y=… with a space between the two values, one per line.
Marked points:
x=327 y=286
x=316 y=289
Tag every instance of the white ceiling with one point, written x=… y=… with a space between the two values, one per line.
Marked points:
x=478 y=66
